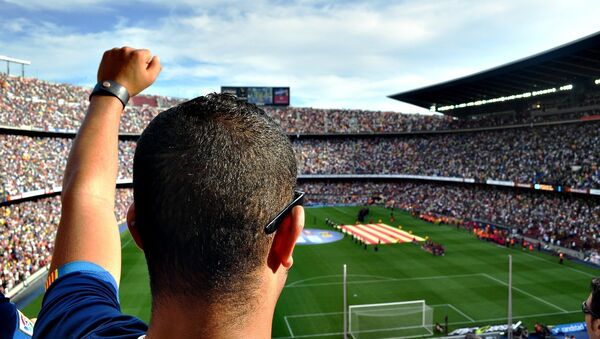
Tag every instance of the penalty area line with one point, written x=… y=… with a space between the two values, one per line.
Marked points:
x=526 y=293
x=288 y=327
x=358 y=282
x=461 y=313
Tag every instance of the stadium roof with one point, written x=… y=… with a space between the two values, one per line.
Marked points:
x=574 y=62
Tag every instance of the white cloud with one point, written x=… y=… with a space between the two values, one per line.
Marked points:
x=15 y=25
x=59 y=5
x=331 y=55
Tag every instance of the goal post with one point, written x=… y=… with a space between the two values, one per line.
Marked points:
x=406 y=319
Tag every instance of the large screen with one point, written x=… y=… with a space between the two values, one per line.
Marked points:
x=281 y=96
x=262 y=96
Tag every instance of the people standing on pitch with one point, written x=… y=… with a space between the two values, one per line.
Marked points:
x=215 y=213
x=591 y=310
x=561 y=257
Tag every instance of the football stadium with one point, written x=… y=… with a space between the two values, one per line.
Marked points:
x=447 y=225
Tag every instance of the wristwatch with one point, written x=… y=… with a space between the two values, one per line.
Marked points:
x=109 y=87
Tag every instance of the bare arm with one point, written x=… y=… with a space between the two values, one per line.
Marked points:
x=88 y=229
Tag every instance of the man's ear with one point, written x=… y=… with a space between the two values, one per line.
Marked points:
x=132 y=228
x=285 y=240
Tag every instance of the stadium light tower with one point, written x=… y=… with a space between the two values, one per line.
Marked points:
x=10 y=60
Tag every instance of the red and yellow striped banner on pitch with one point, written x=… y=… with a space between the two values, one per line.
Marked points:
x=380 y=234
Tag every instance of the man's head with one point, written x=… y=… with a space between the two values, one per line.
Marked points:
x=209 y=174
x=591 y=308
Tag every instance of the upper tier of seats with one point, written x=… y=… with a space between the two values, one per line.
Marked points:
x=49 y=106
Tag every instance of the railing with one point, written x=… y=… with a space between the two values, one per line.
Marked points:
x=20 y=287
x=543 y=187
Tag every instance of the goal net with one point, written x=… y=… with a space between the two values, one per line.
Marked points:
x=390 y=320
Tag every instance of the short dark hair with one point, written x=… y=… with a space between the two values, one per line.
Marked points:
x=595 y=304
x=208 y=175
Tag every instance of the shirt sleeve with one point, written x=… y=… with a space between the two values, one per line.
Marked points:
x=81 y=301
x=13 y=324
x=7 y=317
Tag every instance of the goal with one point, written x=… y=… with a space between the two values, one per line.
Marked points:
x=405 y=319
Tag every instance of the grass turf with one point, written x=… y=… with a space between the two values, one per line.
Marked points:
x=468 y=284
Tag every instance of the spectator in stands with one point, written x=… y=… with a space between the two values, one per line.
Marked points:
x=591 y=309
x=208 y=175
x=37 y=103
x=525 y=155
x=518 y=155
x=37 y=163
x=27 y=233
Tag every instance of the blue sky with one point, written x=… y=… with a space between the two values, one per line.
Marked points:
x=333 y=54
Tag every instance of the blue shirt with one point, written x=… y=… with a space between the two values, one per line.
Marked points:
x=82 y=301
x=13 y=324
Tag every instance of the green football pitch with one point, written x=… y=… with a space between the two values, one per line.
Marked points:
x=469 y=284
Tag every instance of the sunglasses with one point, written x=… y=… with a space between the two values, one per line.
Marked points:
x=273 y=225
x=587 y=310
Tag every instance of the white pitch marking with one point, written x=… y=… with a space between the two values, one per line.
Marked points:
x=295 y=283
x=571 y=268
x=289 y=327
x=461 y=312
x=332 y=313
x=127 y=242
x=387 y=280
x=527 y=294
x=451 y=323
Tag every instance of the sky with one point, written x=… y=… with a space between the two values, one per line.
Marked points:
x=332 y=54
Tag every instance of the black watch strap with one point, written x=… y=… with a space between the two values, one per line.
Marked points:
x=109 y=87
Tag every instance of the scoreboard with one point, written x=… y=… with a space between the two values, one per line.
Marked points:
x=262 y=96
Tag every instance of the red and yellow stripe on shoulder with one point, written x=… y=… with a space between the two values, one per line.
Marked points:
x=51 y=278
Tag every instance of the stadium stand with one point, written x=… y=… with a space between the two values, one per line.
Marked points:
x=527 y=154
x=34 y=163
x=535 y=155
x=43 y=105
x=27 y=232
x=550 y=140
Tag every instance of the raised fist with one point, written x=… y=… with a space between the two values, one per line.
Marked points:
x=136 y=69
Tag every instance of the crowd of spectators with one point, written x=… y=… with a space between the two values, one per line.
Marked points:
x=33 y=163
x=30 y=102
x=49 y=106
x=566 y=155
x=302 y=120
x=27 y=229
x=558 y=219
x=27 y=232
